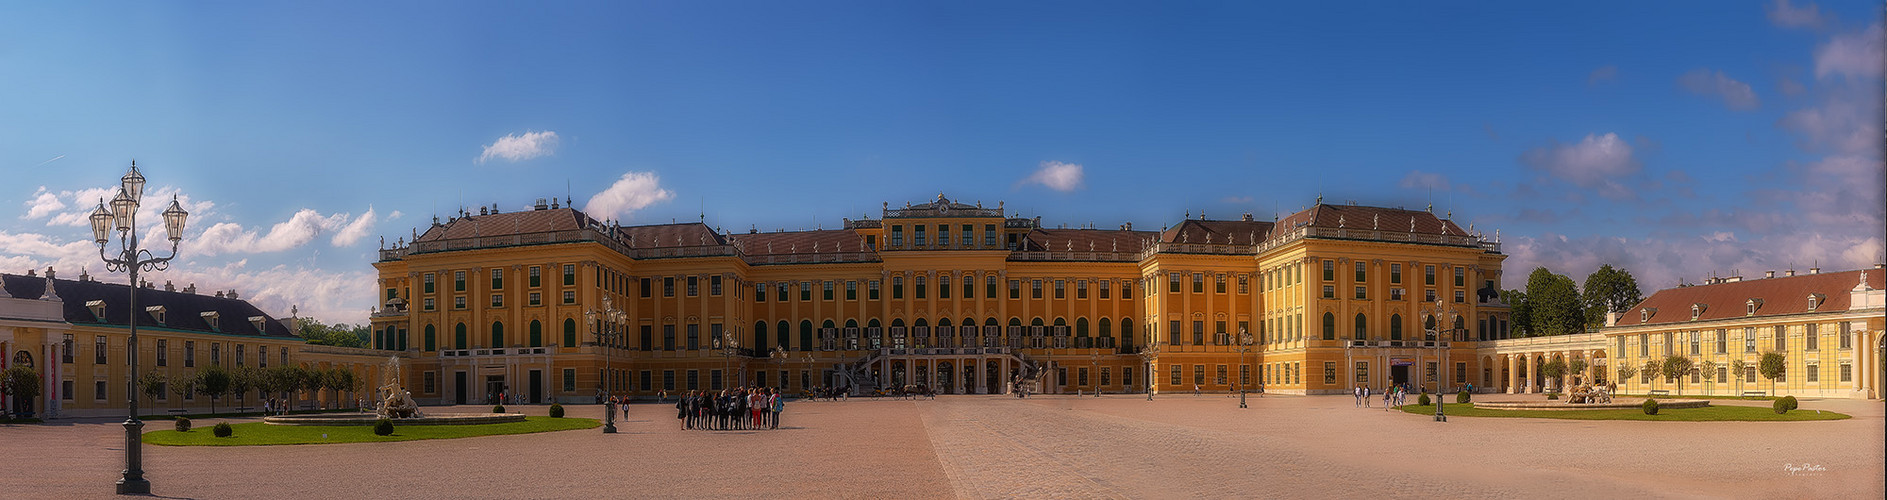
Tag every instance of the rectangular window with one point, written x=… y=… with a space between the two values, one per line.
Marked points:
x=240 y=358
x=805 y=291
x=1330 y=373
x=1198 y=333
x=536 y=276
x=537 y=298
x=851 y=290
x=189 y=353
x=1362 y=293
x=163 y=352
x=668 y=380
x=872 y=289
x=1219 y=375
x=1218 y=283
x=1126 y=288
x=1198 y=283
x=1749 y=374
x=920 y=287
x=216 y=353
x=569 y=297
x=1362 y=372
x=1428 y=273
x=1015 y=289
x=458 y=281
x=65 y=352
x=98 y=390
x=989 y=286
x=1330 y=270
x=1175 y=378
x=1428 y=295
x=1461 y=296
x=647 y=289
x=1723 y=341
x=569 y=379
x=668 y=286
x=897 y=236
x=569 y=275
x=918 y=234
x=1035 y=289
x=1844 y=336
x=943 y=287
x=1749 y=340
x=1172 y=283
x=1810 y=341
x=648 y=380
x=1081 y=289
x=1460 y=276
x=1330 y=292
x=668 y=337
x=826 y=290
x=1244 y=284
x=497 y=279
x=714 y=285
x=694 y=286
x=989 y=237
x=1782 y=338
x=1060 y=286
x=779 y=292
x=1644 y=345
x=1846 y=372
x=429 y=283
x=897 y=287
x=943 y=235
x=1814 y=374
x=429 y=304
x=1361 y=274
x=497 y=300
x=714 y=380
x=694 y=336
x=969 y=287
x=969 y=236
x=99 y=351
x=694 y=380
x=871 y=242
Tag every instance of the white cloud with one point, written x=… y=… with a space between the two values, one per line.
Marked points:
x=298 y=230
x=43 y=202
x=1845 y=123
x=1605 y=73
x=1788 y=16
x=1064 y=177
x=354 y=231
x=1738 y=95
x=1856 y=55
x=629 y=194
x=1598 y=162
x=1424 y=180
x=1238 y=200
x=1660 y=263
x=392 y=216
x=517 y=147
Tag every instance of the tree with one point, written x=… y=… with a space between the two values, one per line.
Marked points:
x=344 y=380
x=1651 y=369
x=21 y=383
x=1771 y=367
x=339 y=334
x=1676 y=366
x=1709 y=369
x=311 y=381
x=151 y=384
x=1609 y=290
x=241 y=381
x=213 y=381
x=1519 y=312
x=183 y=386
x=1552 y=370
x=1738 y=367
x=1554 y=306
x=1577 y=367
x=1625 y=373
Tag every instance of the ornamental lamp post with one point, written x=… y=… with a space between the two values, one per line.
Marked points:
x=730 y=347
x=1147 y=355
x=606 y=339
x=129 y=257
x=1244 y=348
x=1440 y=351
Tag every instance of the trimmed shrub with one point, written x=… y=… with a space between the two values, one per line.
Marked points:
x=222 y=430
x=1651 y=407
x=183 y=424
x=498 y=409
x=1463 y=397
x=383 y=427
x=556 y=410
x=1791 y=400
x=1422 y=401
x=1552 y=395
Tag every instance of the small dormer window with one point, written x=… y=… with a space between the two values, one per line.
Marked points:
x=1815 y=300
x=1697 y=310
x=1644 y=315
x=1751 y=306
x=98 y=309
x=258 y=322
x=157 y=313
x=214 y=319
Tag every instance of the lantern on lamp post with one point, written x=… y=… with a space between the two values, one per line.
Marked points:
x=131 y=258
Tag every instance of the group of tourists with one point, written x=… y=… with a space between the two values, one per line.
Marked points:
x=1392 y=397
x=731 y=409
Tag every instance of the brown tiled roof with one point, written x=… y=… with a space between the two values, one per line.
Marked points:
x=1364 y=217
x=182 y=311
x=525 y=222
x=684 y=234
x=1083 y=240
x=799 y=242
x=1234 y=232
x=1779 y=296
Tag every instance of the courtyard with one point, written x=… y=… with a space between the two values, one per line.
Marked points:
x=1116 y=446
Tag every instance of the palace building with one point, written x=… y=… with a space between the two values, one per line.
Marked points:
x=551 y=304
x=75 y=335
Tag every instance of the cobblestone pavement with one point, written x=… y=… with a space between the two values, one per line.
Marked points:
x=1118 y=446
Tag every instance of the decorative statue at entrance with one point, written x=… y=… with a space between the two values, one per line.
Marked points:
x=395 y=401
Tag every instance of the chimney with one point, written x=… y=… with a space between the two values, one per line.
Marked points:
x=169 y=287
x=1769 y=274
x=1812 y=270
x=1788 y=273
x=1611 y=319
x=1733 y=279
x=483 y=211
x=232 y=293
x=540 y=205
x=1247 y=217
x=219 y=294
x=190 y=289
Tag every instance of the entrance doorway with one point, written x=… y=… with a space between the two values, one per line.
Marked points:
x=494 y=386
x=1399 y=375
x=537 y=386
x=458 y=388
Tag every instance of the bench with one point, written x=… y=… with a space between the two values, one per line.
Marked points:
x=1660 y=392
x=1754 y=394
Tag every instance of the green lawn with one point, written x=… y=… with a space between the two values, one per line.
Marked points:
x=1690 y=396
x=258 y=433
x=1706 y=414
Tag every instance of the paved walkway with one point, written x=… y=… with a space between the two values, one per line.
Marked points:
x=1179 y=446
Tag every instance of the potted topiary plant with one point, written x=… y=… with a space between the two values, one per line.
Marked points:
x=556 y=410
x=183 y=424
x=222 y=430
x=1651 y=407
x=1422 y=401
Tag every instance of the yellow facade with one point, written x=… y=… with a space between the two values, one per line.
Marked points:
x=870 y=305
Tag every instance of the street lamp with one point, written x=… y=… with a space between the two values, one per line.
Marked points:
x=730 y=347
x=1094 y=370
x=1244 y=347
x=130 y=258
x=1147 y=355
x=1441 y=352
x=606 y=339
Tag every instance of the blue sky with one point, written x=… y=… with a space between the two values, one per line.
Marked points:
x=1674 y=138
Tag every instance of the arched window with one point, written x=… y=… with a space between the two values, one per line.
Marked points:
x=1081 y=327
x=784 y=331
x=537 y=334
x=1460 y=325
x=431 y=338
x=569 y=332
x=497 y=334
x=1105 y=329
x=458 y=336
x=1362 y=327
x=1428 y=327
x=1330 y=326
x=760 y=335
x=805 y=335
x=1395 y=327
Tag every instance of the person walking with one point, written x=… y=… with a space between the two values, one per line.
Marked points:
x=779 y=405
x=1356 y=394
x=1365 y=397
x=1388 y=394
